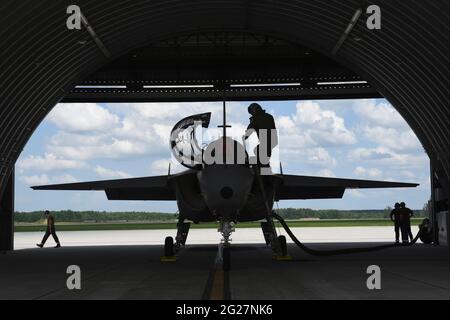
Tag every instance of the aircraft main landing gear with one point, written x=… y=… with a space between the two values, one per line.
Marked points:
x=171 y=248
x=283 y=245
x=169 y=251
x=182 y=233
x=278 y=244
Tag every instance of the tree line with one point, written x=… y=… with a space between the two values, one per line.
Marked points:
x=287 y=213
x=305 y=213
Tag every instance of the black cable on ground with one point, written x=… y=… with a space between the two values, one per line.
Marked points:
x=328 y=252
x=340 y=251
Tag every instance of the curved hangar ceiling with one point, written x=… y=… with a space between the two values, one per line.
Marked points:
x=211 y=66
x=406 y=61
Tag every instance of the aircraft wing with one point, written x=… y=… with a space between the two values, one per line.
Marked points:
x=307 y=187
x=145 y=188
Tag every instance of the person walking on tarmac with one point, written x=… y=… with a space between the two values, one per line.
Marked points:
x=405 y=220
x=263 y=124
x=395 y=217
x=50 y=231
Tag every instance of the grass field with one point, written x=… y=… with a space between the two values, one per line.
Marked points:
x=154 y=226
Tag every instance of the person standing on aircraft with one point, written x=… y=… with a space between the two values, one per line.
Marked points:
x=405 y=218
x=263 y=124
x=50 y=231
x=395 y=217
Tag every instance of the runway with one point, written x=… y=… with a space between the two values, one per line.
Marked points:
x=134 y=271
x=25 y=240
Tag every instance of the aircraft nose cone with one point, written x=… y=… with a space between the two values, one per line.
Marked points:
x=226 y=192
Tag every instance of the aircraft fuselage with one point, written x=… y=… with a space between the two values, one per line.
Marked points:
x=223 y=192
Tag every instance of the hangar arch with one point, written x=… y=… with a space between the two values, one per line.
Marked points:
x=41 y=61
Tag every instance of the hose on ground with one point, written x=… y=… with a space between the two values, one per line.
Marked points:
x=345 y=250
x=422 y=228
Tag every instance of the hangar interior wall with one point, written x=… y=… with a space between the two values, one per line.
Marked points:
x=7 y=216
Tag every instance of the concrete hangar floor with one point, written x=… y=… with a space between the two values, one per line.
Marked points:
x=136 y=272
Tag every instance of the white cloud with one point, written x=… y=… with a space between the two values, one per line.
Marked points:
x=370 y=172
x=379 y=113
x=382 y=156
x=407 y=174
x=110 y=174
x=359 y=171
x=354 y=193
x=120 y=131
x=383 y=125
x=44 y=179
x=142 y=129
x=326 y=173
x=101 y=147
x=65 y=178
x=325 y=127
x=293 y=135
x=82 y=117
x=163 y=112
x=314 y=157
x=374 y=173
x=377 y=154
x=49 y=162
x=313 y=126
x=35 y=179
x=161 y=166
x=392 y=138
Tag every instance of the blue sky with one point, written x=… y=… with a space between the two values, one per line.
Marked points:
x=363 y=139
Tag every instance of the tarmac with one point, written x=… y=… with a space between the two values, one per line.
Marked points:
x=135 y=271
x=24 y=240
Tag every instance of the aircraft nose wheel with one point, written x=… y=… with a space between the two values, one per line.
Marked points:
x=168 y=247
x=224 y=254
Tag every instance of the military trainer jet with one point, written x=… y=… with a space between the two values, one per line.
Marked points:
x=227 y=189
